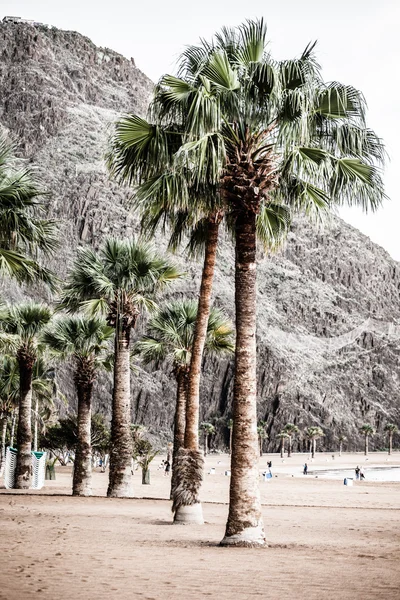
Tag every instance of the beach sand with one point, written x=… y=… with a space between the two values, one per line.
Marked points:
x=325 y=540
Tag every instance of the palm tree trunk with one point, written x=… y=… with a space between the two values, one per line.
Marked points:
x=245 y=526
x=200 y=333
x=189 y=460
x=282 y=447
x=13 y=421
x=290 y=448
x=23 y=469
x=120 y=483
x=314 y=443
x=261 y=446
x=390 y=442
x=82 y=480
x=230 y=440
x=179 y=421
x=205 y=443
x=35 y=426
x=340 y=448
x=3 y=444
x=366 y=446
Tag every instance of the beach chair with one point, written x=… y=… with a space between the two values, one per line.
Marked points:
x=9 y=471
x=38 y=469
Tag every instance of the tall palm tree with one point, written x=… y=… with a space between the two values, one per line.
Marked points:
x=366 y=430
x=169 y=337
x=313 y=434
x=391 y=429
x=342 y=438
x=262 y=435
x=207 y=429
x=24 y=230
x=25 y=322
x=291 y=430
x=86 y=342
x=119 y=281
x=282 y=436
x=265 y=134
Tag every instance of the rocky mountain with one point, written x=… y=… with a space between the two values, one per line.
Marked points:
x=329 y=312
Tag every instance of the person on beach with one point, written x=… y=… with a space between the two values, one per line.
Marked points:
x=305 y=469
x=357 y=472
x=167 y=469
x=362 y=476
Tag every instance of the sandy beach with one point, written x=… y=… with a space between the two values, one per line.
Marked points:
x=325 y=539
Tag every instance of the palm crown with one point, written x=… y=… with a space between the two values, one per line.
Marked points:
x=23 y=227
x=118 y=281
x=25 y=323
x=241 y=130
x=171 y=330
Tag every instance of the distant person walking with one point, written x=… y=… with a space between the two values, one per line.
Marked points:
x=167 y=468
x=305 y=469
x=357 y=472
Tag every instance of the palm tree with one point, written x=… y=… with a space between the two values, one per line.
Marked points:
x=24 y=230
x=264 y=133
x=119 y=282
x=170 y=336
x=366 y=430
x=342 y=438
x=44 y=390
x=291 y=430
x=391 y=429
x=25 y=322
x=262 y=435
x=207 y=429
x=85 y=341
x=282 y=436
x=313 y=434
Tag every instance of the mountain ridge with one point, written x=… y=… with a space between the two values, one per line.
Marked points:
x=60 y=94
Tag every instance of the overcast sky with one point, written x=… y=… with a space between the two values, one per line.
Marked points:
x=358 y=44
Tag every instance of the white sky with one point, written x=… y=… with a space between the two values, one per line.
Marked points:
x=358 y=44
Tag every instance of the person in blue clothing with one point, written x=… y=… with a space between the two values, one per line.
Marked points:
x=305 y=469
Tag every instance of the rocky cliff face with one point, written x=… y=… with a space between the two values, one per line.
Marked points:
x=328 y=338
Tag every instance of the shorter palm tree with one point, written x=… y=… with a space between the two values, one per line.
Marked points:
x=262 y=435
x=314 y=433
x=25 y=322
x=119 y=282
x=291 y=430
x=170 y=337
x=9 y=393
x=391 y=429
x=342 y=438
x=282 y=436
x=366 y=430
x=86 y=342
x=207 y=429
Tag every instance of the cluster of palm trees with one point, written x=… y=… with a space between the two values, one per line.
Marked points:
x=236 y=140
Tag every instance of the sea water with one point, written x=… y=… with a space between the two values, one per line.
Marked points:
x=371 y=473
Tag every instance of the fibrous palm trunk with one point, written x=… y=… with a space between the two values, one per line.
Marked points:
x=35 y=426
x=179 y=421
x=390 y=442
x=23 y=469
x=289 y=448
x=189 y=461
x=230 y=440
x=366 y=446
x=282 y=447
x=82 y=480
x=314 y=443
x=245 y=525
x=120 y=483
x=261 y=446
x=13 y=421
x=340 y=448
